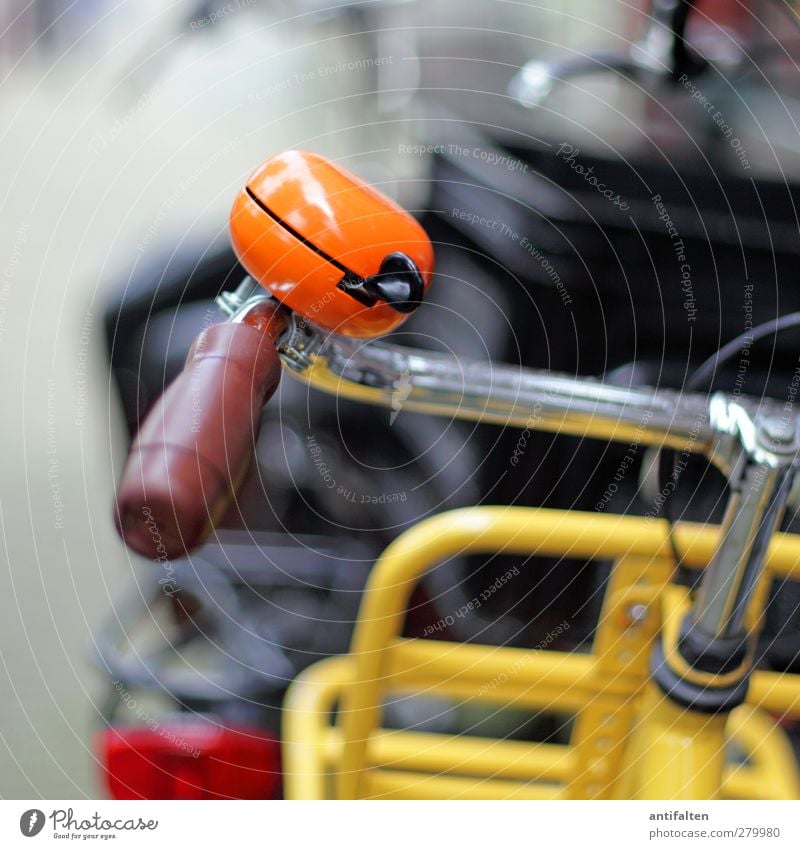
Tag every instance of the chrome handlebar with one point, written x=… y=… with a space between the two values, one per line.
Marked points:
x=380 y=373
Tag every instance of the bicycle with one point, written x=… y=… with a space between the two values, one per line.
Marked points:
x=668 y=703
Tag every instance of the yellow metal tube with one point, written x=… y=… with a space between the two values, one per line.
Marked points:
x=776 y=692
x=476 y=756
x=771 y=770
x=306 y=721
x=396 y=784
x=497 y=673
x=673 y=753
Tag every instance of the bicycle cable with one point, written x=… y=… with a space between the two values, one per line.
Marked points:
x=705 y=373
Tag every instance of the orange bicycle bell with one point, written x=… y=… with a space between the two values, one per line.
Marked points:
x=330 y=246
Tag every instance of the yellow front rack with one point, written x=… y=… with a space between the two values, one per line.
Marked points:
x=335 y=747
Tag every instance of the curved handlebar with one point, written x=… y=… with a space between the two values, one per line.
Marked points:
x=193 y=448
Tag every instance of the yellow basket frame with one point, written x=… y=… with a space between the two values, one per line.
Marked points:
x=627 y=741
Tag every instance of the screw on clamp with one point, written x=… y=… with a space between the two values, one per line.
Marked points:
x=231 y=302
x=637 y=614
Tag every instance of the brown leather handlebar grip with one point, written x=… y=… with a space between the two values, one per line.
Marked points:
x=194 y=447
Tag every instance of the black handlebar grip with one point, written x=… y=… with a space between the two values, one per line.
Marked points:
x=194 y=447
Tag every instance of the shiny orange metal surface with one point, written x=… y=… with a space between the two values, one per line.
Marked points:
x=302 y=222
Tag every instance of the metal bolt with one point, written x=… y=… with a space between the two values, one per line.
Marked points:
x=231 y=302
x=637 y=613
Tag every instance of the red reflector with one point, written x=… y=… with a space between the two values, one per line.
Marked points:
x=190 y=760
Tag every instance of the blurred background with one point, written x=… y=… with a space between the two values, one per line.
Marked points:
x=128 y=127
